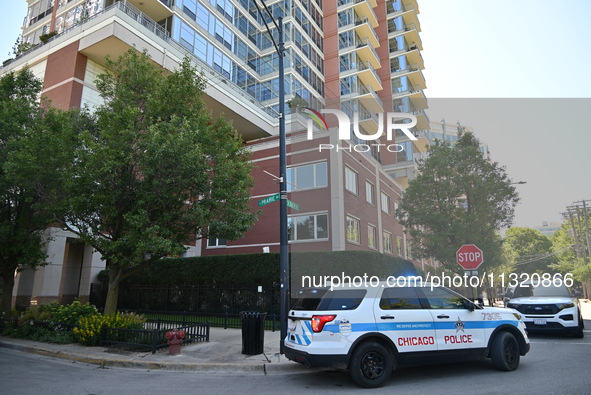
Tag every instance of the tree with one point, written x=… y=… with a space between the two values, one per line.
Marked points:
x=155 y=171
x=528 y=250
x=33 y=144
x=458 y=198
x=21 y=46
x=571 y=256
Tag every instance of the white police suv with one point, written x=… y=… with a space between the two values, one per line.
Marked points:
x=372 y=330
x=548 y=307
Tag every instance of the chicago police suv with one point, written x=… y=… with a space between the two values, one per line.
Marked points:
x=548 y=307
x=372 y=330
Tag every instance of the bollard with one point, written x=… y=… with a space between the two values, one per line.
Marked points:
x=175 y=339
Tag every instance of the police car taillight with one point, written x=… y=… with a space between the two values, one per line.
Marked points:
x=318 y=321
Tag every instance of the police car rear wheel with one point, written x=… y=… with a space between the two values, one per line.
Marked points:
x=371 y=365
x=505 y=352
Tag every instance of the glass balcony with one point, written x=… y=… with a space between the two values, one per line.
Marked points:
x=364 y=29
x=408 y=11
x=410 y=33
x=365 y=72
x=363 y=8
x=366 y=95
x=155 y=9
x=365 y=51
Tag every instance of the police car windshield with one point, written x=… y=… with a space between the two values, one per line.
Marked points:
x=528 y=290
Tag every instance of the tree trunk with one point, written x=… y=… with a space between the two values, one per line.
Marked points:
x=115 y=272
x=6 y=286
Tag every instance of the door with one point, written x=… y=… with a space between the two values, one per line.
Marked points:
x=400 y=316
x=456 y=327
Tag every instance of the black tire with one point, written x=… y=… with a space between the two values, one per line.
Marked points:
x=579 y=334
x=371 y=365
x=504 y=352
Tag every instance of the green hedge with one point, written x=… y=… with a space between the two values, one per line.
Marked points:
x=249 y=269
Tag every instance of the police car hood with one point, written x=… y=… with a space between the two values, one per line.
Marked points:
x=542 y=300
x=489 y=309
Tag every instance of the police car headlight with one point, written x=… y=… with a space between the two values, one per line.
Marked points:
x=512 y=305
x=565 y=306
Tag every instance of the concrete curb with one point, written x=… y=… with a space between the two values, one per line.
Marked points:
x=206 y=367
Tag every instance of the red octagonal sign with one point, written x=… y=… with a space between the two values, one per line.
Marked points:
x=469 y=257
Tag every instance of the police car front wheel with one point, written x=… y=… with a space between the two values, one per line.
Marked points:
x=371 y=365
x=504 y=351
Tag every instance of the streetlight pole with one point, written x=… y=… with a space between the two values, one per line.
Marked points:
x=283 y=250
x=283 y=242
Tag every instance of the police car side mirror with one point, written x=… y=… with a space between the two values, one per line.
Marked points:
x=469 y=305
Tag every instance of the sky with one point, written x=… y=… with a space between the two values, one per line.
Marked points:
x=516 y=71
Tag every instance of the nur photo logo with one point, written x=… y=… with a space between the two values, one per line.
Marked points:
x=393 y=120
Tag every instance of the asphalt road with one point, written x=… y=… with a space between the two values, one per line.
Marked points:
x=554 y=365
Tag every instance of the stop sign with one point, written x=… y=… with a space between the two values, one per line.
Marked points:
x=469 y=257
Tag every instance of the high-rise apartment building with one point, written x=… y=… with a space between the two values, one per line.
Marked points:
x=362 y=57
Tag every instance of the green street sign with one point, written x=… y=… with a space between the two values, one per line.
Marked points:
x=267 y=200
x=293 y=205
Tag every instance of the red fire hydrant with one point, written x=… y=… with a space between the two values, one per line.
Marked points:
x=175 y=339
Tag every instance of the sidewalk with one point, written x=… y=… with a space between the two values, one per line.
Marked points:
x=586 y=309
x=222 y=353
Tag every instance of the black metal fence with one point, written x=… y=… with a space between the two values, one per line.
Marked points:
x=214 y=320
x=192 y=298
x=153 y=339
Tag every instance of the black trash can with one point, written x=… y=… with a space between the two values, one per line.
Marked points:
x=253 y=332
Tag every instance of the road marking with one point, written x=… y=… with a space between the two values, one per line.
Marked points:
x=561 y=343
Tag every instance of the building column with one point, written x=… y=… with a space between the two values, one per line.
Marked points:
x=46 y=285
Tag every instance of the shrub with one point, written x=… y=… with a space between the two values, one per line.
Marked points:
x=72 y=313
x=44 y=322
x=45 y=37
x=89 y=329
x=56 y=313
x=39 y=313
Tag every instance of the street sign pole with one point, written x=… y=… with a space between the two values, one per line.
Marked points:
x=283 y=250
x=470 y=257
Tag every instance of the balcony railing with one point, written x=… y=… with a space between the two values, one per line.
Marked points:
x=363 y=90
x=390 y=11
x=406 y=28
x=358 y=67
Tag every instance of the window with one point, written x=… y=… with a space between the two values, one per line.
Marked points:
x=399 y=246
x=441 y=298
x=371 y=236
x=387 y=241
x=370 y=193
x=351 y=181
x=214 y=242
x=353 y=230
x=307 y=227
x=385 y=203
x=341 y=299
x=306 y=177
x=400 y=298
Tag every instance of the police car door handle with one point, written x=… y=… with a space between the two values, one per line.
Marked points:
x=387 y=317
x=443 y=316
